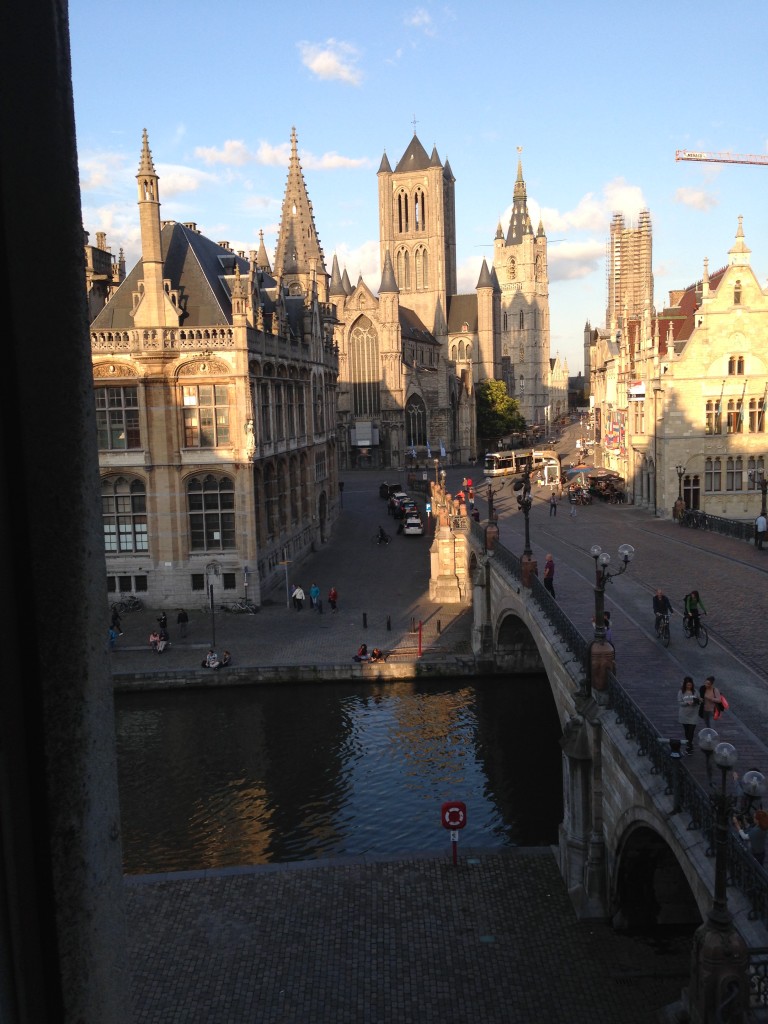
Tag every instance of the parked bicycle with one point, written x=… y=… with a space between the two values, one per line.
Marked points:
x=662 y=628
x=700 y=632
x=241 y=607
x=694 y=518
x=129 y=603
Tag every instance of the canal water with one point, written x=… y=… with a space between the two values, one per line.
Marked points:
x=270 y=774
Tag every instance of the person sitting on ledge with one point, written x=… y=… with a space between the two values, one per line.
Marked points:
x=376 y=655
x=362 y=653
x=226 y=659
x=211 y=660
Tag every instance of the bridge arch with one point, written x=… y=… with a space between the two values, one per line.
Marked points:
x=651 y=887
x=515 y=646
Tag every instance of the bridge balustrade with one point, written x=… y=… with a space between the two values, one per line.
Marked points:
x=690 y=796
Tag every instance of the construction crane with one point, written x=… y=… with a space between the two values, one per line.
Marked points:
x=721 y=158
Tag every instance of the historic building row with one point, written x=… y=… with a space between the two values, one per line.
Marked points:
x=679 y=396
x=215 y=386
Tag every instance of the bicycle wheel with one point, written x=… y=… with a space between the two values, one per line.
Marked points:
x=702 y=638
x=665 y=637
x=686 y=629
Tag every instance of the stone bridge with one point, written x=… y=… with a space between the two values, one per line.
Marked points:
x=636 y=841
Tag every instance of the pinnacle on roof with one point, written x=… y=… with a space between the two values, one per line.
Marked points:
x=346 y=284
x=262 y=260
x=485 y=280
x=384 y=166
x=435 y=159
x=297 y=243
x=739 y=251
x=337 y=288
x=146 y=166
x=388 y=282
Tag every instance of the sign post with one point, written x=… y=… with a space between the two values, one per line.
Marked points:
x=453 y=815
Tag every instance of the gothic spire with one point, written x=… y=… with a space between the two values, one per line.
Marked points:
x=298 y=253
x=519 y=221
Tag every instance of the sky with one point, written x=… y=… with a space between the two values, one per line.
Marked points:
x=594 y=97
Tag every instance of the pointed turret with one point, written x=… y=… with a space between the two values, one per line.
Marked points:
x=346 y=284
x=384 y=166
x=262 y=260
x=519 y=221
x=435 y=159
x=485 y=280
x=337 y=288
x=739 y=252
x=154 y=307
x=298 y=256
x=388 y=283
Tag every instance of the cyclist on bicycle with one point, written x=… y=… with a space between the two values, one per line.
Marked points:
x=694 y=605
x=383 y=537
x=661 y=607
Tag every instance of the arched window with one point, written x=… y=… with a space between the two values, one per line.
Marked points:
x=364 y=368
x=416 y=421
x=402 y=211
x=403 y=270
x=521 y=320
x=737 y=294
x=124 y=515
x=714 y=419
x=734 y=474
x=712 y=475
x=461 y=350
x=419 y=210
x=270 y=500
x=211 y=511
x=117 y=418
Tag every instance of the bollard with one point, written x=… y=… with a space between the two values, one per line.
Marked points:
x=439 y=630
x=389 y=624
x=365 y=620
x=413 y=625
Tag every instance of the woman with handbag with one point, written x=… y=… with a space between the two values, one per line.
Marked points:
x=688 y=711
x=710 y=698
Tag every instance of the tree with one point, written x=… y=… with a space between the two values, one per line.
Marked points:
x=497 y=413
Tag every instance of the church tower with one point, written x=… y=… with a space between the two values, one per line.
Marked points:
x=417 y=218
x=299 y=261
x=520 y=263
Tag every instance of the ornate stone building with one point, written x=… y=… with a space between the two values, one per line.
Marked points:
x=215 y=387
x=412 y=351
x=680 y=397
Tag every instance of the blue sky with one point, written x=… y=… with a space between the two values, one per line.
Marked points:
x=598 y=95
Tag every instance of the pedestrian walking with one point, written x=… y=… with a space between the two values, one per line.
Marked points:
x=112 y=637
x=314 y=596
x=298 y=598
x=333 y=597
x=688 y=702
x=181 y=621
x=710 y=695
x=115 y=624
x=572 y=513
x=163 y=620
x=549 y=574
x=755 y=834
x=761 y=524
x=552 y=504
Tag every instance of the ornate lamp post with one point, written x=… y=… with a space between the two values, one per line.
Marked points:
x=211 y=570
x=719 y=987
x=600 y=651
x=437 y=464
x=528 y=565
x=680 y=470
x=758 y=478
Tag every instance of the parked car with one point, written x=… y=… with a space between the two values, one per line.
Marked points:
x=394 y=502
x=413 y=526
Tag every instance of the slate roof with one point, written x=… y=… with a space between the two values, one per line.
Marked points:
x=414 y=158
x=195 y=266
x=412 y=329
x=462 y=309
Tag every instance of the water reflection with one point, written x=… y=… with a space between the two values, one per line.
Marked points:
x=284 y=773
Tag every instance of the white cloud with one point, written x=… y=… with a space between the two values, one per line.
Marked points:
x=332 y=161
x=273 y=156
x=103 y=172
x=176 y=179
x=360 y=260
x=421 y=19
x=569 y=261
x=235 y=153
x=261 y=203
x=332 y=60
x=594 y=212
x=696 y=198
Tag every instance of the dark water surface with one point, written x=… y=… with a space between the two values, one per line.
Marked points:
x=268 y=774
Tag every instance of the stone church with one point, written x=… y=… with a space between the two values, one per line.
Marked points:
x=412 y=350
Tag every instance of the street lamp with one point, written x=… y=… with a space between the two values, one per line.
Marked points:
x=603 y=576
x=212 y=569
x=680 y=470
x=524 y=502
x=437 y=463
x=719 y=988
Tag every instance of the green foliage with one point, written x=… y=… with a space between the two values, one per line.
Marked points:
x=498 y=415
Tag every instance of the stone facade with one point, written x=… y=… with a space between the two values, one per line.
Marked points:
x=215 y=391
x=411 y=352
x=679 y=398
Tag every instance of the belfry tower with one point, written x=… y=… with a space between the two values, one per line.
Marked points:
x=520 y=262
x=417 y=218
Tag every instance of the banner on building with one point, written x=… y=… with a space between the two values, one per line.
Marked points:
x=636 y=391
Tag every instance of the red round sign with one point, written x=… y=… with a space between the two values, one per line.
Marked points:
x=453 y=814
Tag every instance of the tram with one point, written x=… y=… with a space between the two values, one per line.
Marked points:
x=544 y=463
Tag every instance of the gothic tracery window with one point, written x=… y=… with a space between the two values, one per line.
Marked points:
x=365 y=368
